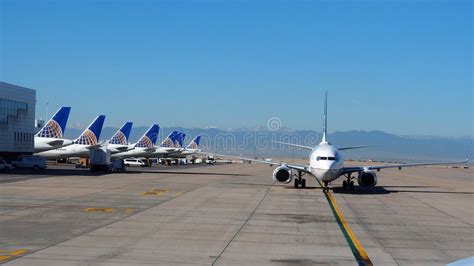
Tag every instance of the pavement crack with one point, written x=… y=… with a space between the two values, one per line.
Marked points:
x=242 y=226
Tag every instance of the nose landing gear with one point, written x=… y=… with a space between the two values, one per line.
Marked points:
x=325 y=186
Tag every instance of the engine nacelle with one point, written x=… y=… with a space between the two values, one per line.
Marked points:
x=367 y=179
x=283 y=174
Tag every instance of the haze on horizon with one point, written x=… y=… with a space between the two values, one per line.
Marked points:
x=400 y=67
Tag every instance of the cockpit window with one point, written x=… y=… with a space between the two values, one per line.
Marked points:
x=331 y=158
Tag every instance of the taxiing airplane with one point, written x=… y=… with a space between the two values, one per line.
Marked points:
x=51 y=135
x=326 y=165
x=144 y=147
x=88 y=140
x=119 y=141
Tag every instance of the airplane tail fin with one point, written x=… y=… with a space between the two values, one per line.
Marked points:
x=194 y=144
x=325 y=125
x=56 y=126
x=179 y=142
x=121 y=136
x=91 y=135
x=148 y=139
x=169 y=141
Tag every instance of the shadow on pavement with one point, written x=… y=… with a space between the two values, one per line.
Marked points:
x=393 y=189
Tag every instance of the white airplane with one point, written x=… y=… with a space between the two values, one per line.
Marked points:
x=119 y=141
x=326 y=164
x=51 y=135
x=144 y=147
x=167 y=146
x=82 y=145
x=192 y=148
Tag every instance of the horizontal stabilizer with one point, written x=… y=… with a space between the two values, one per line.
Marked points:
x=56 y=142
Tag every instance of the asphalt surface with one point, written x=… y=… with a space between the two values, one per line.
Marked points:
x=232 y=214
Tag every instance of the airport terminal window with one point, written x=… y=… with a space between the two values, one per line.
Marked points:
x=10 y=108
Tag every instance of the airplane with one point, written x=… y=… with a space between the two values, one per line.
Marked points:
x=326 y=164
x=192 y=148
x=144 y=147
x=179 y=142
x=88 y=140
x=51 y=134
x=167 y=145
x=119 y=141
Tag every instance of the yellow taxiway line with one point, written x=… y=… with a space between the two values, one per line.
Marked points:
x=354 y=243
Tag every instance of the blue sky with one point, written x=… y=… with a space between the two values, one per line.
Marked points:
x=404 y=67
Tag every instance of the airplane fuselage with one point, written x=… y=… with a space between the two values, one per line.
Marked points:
x=45 y=144
x=74 y=150
x=117 y=148
x=137 y=152
x=325 y=162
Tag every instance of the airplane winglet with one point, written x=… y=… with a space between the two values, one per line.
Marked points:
x=468 y=153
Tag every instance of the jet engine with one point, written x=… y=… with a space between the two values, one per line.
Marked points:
x=367 y=179
x=282 y=174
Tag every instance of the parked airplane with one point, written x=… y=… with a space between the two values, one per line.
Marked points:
x=192 y=148
x=82 y=145
x=144 y=147
x=167 y=145
x=179 y=142
x=51 y=135
x=326 y=164
x=119 y=141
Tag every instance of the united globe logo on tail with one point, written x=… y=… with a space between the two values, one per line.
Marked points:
x=176 y=144
x=144 y=142
x=87 y=138
x=193 y=145
x=51 y=130
x=119 y=138
x=168 y=143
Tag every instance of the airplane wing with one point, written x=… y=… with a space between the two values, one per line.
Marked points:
x=299 y=167
x=355 y=147
x=311 y=148
x=294 y=145
x=351 y=169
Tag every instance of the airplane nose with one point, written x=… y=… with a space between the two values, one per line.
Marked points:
x=330 y=165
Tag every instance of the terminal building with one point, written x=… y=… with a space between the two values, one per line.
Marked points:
x=17 y=120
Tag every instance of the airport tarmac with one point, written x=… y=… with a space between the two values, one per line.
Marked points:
x=233 y=214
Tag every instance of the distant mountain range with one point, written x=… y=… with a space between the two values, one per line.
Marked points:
x=247 y=142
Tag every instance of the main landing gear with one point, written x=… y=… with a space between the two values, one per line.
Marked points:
x=299 y=181
x=349 y=184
